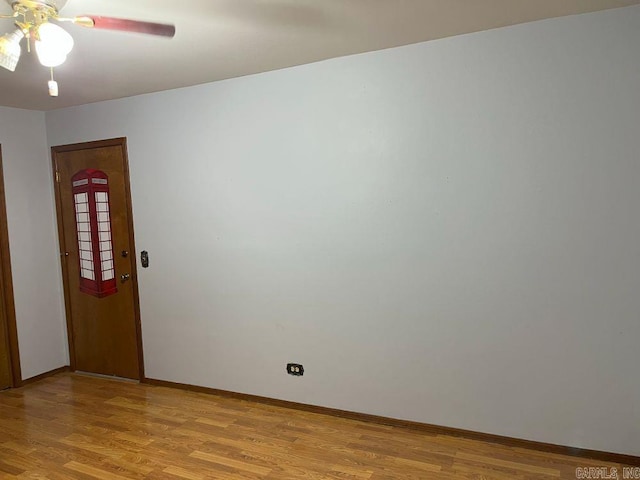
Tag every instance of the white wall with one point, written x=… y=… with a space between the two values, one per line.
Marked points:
x=33 y=242
x=446 y=232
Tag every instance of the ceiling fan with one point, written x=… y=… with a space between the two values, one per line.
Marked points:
x=53 y=43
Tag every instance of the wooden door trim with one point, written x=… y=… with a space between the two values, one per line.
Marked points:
x=8 y=318
x=113 y=142
x=134 y=263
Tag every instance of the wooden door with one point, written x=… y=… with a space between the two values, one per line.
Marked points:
x=98 y=257
x=10 y=374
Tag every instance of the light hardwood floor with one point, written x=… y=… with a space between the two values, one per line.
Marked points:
x=74 y=426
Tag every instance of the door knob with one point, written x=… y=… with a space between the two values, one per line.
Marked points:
x=125 y=277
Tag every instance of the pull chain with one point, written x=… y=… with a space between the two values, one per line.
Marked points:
x=53 y=86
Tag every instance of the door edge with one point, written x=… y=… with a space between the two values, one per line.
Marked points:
x=8 y=319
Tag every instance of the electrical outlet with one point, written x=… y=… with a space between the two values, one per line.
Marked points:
x=295 y=369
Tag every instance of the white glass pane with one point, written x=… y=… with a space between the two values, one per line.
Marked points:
x=103 y=216
x=102 y=207
x=84 y=255
x=82 y=207
x=101 y=196
x=82 y=217
x=105 y=236
x=81 y=197
x=84 y=236
x=78 y=183
x=103 y=227
x=106 y=255
x=88 y=264
x=83 y=227
x=85 y=246
x=105 y=246
x=108 y=265
x=108 y=275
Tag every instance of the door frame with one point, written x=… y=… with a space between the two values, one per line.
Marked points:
x=7 y=305
x=113 y=142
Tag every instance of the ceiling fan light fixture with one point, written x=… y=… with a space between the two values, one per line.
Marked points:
x=53 y=45
x=10 y=50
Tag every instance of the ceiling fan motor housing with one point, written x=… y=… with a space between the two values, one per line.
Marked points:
x=50 y=7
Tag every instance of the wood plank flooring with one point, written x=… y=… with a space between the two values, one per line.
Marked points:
x=80 y=427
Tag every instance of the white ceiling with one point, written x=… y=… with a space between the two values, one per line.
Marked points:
x=218 y=39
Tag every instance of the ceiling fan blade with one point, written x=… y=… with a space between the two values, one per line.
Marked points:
x=124 y=25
